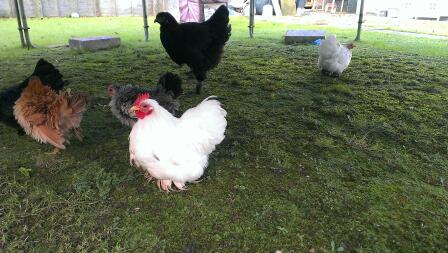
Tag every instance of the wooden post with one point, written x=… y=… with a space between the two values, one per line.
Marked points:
x=332 y=5
x=342 y=5
x=361 y=15
x=251 y=18
x=25 y=25
x=19 y=22
x=145 y=20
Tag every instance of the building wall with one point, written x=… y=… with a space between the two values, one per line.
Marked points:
x=88 y=8
x=408 y=8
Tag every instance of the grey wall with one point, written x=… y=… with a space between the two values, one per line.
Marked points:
x=85 y=8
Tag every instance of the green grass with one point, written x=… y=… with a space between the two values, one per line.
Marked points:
x=354 y=164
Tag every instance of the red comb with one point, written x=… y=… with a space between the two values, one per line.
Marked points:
x=141 y=97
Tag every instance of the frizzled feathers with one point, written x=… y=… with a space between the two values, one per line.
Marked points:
x=46 y=72
x=48 y=116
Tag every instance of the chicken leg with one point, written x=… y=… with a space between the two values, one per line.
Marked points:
x=198 y=87
x=180 y=186
x=164 y=185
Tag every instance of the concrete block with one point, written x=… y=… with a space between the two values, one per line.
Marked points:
x=94 y=43
x=303 y=36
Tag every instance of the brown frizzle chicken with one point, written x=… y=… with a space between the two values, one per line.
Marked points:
x=47 y=116
x=47 y=73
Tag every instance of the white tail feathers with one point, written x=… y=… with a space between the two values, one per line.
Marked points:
x=329 y=47
x=208 y=121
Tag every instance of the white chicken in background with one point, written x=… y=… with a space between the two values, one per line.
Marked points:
x=334 y=58
x=175 y=150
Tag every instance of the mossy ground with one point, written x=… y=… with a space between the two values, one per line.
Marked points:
x=356 y=163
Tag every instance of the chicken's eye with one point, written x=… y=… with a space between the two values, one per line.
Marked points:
x=145 y=106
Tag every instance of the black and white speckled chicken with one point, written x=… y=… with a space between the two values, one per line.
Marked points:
x=168 y=89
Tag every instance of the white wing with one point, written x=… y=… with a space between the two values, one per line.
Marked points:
x=205 y=125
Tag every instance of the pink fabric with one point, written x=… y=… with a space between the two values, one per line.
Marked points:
x=189 y=11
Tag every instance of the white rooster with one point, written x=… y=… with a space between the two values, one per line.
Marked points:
x=334 y=58
x=175 y=150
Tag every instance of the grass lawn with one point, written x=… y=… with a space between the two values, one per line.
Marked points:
x=355 y=164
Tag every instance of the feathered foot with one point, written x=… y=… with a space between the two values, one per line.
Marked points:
x=54 y=152
x=198 y=87
x=181 y=186
x=164 y=185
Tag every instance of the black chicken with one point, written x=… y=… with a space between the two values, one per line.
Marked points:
x=46 y=72
x=199 y=45
x=168 y=89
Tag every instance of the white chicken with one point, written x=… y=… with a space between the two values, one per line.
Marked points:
x=334 y=58
x=175 y=150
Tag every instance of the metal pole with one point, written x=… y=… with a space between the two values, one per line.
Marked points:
x=25 y=25
x=19 y=22
x=145 y=20
x=251 y=18
x=361 y=14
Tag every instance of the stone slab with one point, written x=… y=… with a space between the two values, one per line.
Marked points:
x=94 y=43
x=303 y=36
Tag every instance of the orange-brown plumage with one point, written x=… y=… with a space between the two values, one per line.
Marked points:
x=48 y=116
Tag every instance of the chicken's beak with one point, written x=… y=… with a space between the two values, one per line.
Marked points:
x=156 y=20
x=134 y=108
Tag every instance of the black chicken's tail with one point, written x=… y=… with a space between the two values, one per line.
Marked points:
x=219 y=22
x=220 y=17
x=170 y=82
x=220 y=31
x=49 y=75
